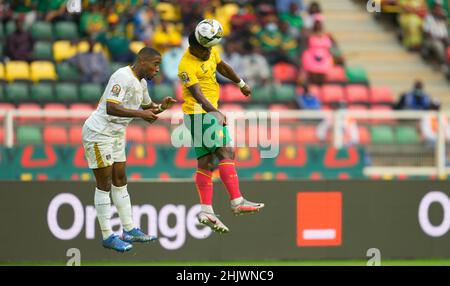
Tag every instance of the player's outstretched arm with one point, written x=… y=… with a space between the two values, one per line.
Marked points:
x=115 y=109
x=206 y=105
x=228 y=72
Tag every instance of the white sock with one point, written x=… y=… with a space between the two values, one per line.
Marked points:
x=207 y=208
x=102 y=203
x=236 y=201
x=121 y=199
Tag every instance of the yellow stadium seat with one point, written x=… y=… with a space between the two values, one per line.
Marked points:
x=168 y=11
x=63 y=50
x=136 y=46
x=17 y=70
x=42 y=70
x=83 y=47
x=2 y=72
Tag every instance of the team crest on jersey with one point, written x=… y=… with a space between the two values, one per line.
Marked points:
x=184 y=77
x=116 y=90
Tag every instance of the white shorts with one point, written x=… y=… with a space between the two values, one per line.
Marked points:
x=101 y=150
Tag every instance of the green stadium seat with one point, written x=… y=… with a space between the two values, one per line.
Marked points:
x=113 y=66
x=406 y=135
x=43 y=51
x=90 y=92
x=66 y=92
x=2 y=49
x=382 y=135
x=66 y=30
x=10 y=28
x=356 y=74
x=262 y=93
x=17 y=92
x=42 y=31
x=284 y=93
x=29 y=135
x=2 y=93
x=42 y=92
x=160 y=91
x=67 y=72
x=2 y=31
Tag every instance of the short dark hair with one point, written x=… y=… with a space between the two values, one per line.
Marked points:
x=147 y=53
x=194 y=43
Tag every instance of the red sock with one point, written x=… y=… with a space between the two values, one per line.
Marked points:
x=229 y=178
x=203 y=181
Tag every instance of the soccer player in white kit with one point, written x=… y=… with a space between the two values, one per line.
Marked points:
x=125 y=97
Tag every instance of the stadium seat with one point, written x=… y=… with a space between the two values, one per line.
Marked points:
x=29 y=107
x=66 y=92
x=75 y=135
x=55 y=135
x=2 y=72
x=41 y=31
x=284 y=73
x=388 y=120
x=63 y=50
x=113 y=66
x=136 y=46
x=90 y=92
x=406 y=135
x=66 y=30
x=2 y=33
x=286 y=134
x=332 y=94
x=29 y=135
x=135 y=134
x=6 y=106
x=2 y=135
x=160 y=91
x=81 y=108
x=2 y=93
x=10 y=27
x=157 y=134
x=17 y=70
x=381 y=95
x=43 y=71
x=306 y=134
x=42 y=92
x=17 y=92
x=230 y=107
x=364 y=135
x=382 y=134
x=336 y=75
x=67 y=72
x=262 y=93
x=278 y=107
x=232 y=93
x=357 y=94
x=356 y=75
x=167 y=11
x=284 y=93
x=49 y=107
x=83 y=47
x=42 y=51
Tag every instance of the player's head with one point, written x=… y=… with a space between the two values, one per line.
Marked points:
x=148 y=61
x=198 y=50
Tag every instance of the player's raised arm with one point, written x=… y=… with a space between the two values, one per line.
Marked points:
x=228 y=72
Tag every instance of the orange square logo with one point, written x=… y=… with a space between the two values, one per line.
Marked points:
x=319 y=219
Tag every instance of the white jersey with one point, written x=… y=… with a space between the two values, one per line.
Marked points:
x=123 y=88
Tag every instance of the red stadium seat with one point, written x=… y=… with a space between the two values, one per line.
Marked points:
x=306 y=134
x=314 y=89
x=6 y=106
x=135 y=134
x=284 y=73
x=336 y=74
x=81 y=107
x=364 y=135
x=179 y=93
x=157 y=134
x=49 y=107
x=2 y=136
x=332 y=94
x=29 y=107
x=383 y=108
x=278 y=107
x=357 y=94
x=232 y=93
x=381 y=95
x=55 y=135
x=286 y=134
x=357 y=107
x=75 y=135
x=230 y=107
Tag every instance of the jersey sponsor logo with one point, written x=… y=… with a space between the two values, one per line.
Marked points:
x=115 y=90
x=184 y=77
x=108 y=157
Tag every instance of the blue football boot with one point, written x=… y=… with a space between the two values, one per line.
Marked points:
x=115 y=243
x=136 y=235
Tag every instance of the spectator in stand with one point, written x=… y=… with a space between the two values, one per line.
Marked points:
x=307 y=100
x=429 y=126
x=92 y=65
x=232 y=57
x=271 y=41
x=170 y=60
x=166 y=36
x=416 y=99
x=117 y=42
x=436 y=34
x=256 y=69
x=317 y=60
x=290 y=44
x=93 y=21
x=19 y=44
x=284 y=6
x=314 y=10
x=294 y=19
x=411 y=19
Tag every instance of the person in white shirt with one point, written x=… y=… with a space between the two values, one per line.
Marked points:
x=436 y=33
x=125 y=97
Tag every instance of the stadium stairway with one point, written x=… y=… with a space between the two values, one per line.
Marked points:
x=366 y=43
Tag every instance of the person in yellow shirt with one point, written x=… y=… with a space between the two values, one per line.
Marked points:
x=207 y=125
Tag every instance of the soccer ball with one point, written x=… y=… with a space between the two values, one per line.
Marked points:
x=208 y=32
